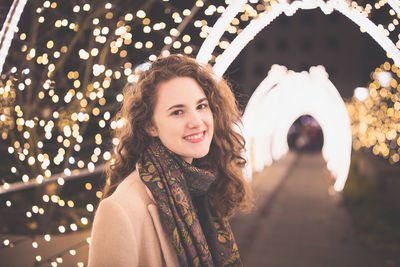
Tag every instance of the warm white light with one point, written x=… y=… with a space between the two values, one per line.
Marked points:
x=384 y=78
x=218 y=30
x=6 y=185
x=35 y=209
x=90 y=207
x=265 y=18
x=25 y=178
x=47 y=237
x=107 y=155
x=61 y=229
x=361 y=93
x=60 y=181
x=73 y=227
x=39 y=179
x=293 y=95
x=9 y=27
x=90 y=166
x=395 y=4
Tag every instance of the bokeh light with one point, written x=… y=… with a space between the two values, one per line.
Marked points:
x=62 y=83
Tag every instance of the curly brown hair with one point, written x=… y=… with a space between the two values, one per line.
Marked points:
x=230 y=191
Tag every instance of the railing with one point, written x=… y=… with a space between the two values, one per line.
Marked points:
x=17 y=186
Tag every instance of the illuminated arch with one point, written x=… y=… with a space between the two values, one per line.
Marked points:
x=281 y=98
x=8 y=29
x=265 y=18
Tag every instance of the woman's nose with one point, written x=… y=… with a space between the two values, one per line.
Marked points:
x=194 y=119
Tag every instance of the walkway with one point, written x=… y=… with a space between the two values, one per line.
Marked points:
x=297 y=222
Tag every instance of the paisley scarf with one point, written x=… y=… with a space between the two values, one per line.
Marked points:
x=180 y=191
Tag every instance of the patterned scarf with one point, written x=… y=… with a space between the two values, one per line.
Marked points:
x=180 y=190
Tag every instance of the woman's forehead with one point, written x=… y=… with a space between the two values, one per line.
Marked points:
x=179 y=90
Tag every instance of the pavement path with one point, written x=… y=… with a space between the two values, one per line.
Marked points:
x=298 y=220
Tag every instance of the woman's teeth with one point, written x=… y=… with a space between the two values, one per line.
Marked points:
x=197 y=136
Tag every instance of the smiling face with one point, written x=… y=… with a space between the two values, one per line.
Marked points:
x=182 y=118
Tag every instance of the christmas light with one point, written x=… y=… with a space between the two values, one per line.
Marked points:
x=293 y=95
x=375 y=118
x=265 y=18
x=72 y=89
x=9 y=28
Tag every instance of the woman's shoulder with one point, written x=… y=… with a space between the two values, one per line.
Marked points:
x=131 y=193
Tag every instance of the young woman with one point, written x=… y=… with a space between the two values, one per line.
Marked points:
x=176 y=175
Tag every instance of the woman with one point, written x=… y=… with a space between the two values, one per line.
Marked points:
x=176 y=175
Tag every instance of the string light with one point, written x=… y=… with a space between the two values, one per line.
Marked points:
x=75 y=105
x=294 y=95
x=9 y=28
x=375 y=117
x=265 y=18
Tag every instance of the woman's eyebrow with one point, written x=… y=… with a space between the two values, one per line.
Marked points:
x=202 y=100
x=176 y=106
x=181 y=105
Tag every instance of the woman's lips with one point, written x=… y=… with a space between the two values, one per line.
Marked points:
x=195 y=138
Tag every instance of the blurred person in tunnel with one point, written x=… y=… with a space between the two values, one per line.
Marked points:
x=175 y=177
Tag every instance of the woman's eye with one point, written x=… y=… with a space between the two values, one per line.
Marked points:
x=202 y=106
x=177 y=112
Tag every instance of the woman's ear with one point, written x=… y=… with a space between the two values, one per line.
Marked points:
x=152 y=130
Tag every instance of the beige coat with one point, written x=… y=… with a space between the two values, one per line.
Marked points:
x=127 y=230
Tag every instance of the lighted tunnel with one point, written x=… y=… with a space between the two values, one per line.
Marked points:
x=281 y=98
